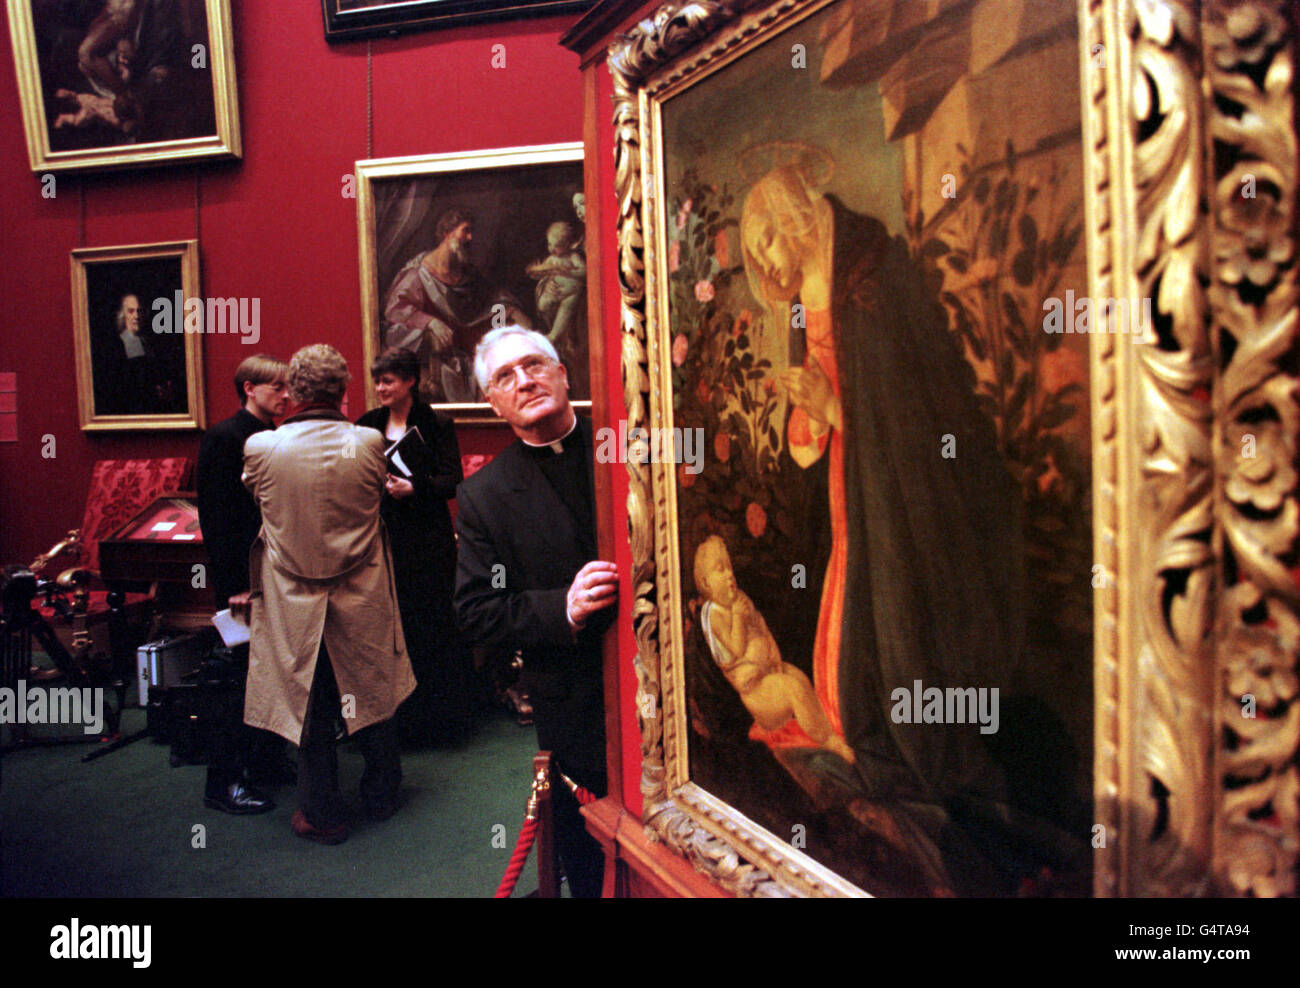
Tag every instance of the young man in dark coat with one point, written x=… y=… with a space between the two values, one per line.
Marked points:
x=230 y=521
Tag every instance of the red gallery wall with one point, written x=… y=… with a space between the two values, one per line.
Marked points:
x=273 y=225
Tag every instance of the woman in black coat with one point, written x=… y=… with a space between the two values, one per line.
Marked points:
x=424 y=550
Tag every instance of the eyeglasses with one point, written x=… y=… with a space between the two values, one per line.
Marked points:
x=505 y=380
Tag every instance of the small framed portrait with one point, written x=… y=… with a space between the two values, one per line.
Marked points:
x=137 y=366
x=123 y=83
x=347 y=20
x=453 y=245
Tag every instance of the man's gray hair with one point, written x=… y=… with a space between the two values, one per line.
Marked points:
x=495 y=336
x=119 y=318
x=318 y=373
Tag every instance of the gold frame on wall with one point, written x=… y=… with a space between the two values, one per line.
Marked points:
x=225 y=143
x=194 y=416
x=1195 y=436
x=379 y=19
x=467 y=163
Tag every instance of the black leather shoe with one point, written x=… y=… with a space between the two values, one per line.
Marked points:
x=240 y=799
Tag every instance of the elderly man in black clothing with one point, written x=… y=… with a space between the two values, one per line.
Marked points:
x=230 y=521
x=527 y=575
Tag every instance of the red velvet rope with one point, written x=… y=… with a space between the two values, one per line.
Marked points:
x=529 y=833
x=583 y=796
x=522 y=847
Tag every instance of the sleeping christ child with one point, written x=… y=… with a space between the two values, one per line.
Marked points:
x=773 y=691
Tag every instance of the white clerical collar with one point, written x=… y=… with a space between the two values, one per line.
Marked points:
x=557 y=445
x=133 y=344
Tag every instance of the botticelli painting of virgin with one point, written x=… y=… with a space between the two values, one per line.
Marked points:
x=884 y=595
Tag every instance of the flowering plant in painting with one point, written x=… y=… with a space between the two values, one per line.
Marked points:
x=722 y=385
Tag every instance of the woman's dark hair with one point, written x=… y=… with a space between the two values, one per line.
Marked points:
x=398 y=361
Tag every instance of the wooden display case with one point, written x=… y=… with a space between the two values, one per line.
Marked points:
x=163 y=545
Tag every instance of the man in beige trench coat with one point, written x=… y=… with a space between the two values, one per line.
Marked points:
x=326 y=636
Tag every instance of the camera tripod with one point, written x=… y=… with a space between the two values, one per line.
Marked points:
x=21 y=621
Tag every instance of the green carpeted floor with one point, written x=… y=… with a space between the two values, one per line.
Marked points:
x=130 y=825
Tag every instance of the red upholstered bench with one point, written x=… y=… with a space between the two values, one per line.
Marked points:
x=119 y=489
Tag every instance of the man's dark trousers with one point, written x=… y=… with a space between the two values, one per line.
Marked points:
x=318 y=762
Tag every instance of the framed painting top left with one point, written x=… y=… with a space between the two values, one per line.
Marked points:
x=125 y=83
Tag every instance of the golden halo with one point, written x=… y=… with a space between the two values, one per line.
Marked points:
x=814 y=164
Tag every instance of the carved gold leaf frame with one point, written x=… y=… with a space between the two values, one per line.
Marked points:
x=1189 y=163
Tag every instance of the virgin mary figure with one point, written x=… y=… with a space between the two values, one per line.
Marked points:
x=924 y=583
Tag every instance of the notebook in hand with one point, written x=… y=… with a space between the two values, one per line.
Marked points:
x=408 y=455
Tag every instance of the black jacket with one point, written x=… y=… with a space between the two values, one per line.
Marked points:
x=419 y=527
x=519 y=550
x=228 y=515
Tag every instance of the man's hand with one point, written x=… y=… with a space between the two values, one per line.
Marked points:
x=241 y=606
x=594 y=588
x=398 y=488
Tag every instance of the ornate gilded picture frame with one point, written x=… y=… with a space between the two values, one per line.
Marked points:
x=136 y=334
x=987 y=584
x=451 y=245
x=126 y=83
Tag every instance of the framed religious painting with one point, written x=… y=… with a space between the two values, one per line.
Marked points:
x=452 y=245
x=136 y=333
x=980 y=586
x=346 y=20
x=122 y=83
